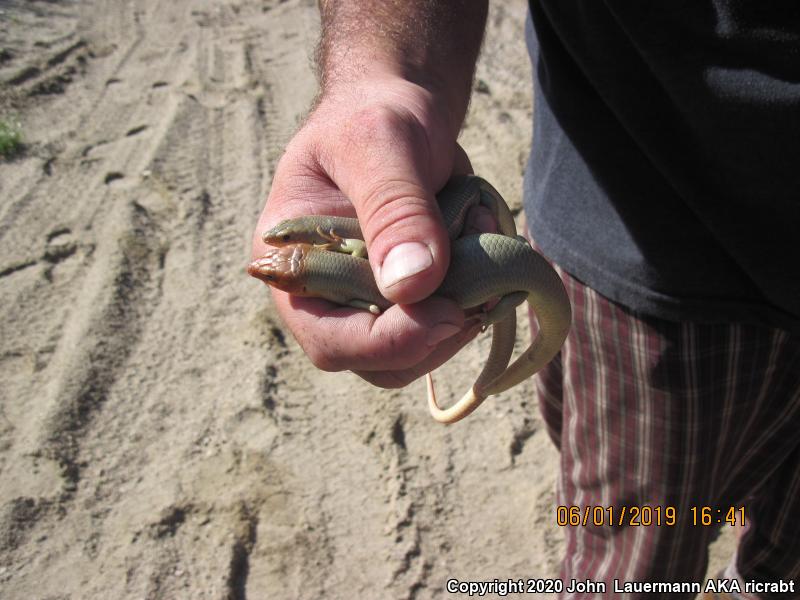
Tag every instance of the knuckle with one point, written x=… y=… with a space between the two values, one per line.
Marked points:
x=388 y=203
x=389 y=380
x=396 y=381
x=376 y=125
x=323 y=362
x=321 y=357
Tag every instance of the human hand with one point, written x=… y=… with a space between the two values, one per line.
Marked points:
x=378 y=150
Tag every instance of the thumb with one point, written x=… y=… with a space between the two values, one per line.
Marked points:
x=388 y=173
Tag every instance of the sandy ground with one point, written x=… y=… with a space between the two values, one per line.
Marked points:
x=161 y=435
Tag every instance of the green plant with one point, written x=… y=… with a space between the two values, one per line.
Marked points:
x=10 y=138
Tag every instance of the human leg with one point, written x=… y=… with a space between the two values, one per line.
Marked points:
x=653 y=413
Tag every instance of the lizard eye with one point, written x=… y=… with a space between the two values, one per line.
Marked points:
x=286 y=237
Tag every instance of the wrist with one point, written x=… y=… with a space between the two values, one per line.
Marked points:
x=433 y=45
x=386 y=86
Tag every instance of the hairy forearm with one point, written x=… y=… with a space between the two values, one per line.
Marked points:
x=433 y=43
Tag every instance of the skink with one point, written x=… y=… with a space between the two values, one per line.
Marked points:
x=322 y=257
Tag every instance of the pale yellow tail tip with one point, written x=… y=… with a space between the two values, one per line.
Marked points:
x=432 y=406
x=458 y=411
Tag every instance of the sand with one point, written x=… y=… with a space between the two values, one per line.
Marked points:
x=161 y=434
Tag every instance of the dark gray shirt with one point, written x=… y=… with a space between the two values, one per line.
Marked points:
x=665 y=168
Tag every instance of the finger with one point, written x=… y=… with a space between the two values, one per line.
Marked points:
x=403 y=377
x=340 y=338
x=386 y=169
x=461 y=163
x=479 y=220
x=300 y=188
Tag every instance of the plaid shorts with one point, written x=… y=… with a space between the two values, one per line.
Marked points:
x=659 y=414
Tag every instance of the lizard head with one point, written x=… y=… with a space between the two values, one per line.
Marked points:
x=282 y=268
